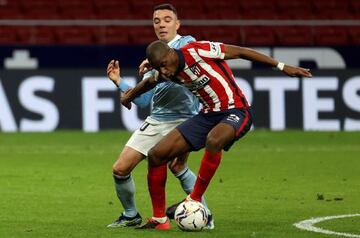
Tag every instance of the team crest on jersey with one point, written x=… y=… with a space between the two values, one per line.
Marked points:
x=233 y=117
x=195 y=70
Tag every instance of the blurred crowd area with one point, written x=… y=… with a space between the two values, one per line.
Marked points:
x=255 y=22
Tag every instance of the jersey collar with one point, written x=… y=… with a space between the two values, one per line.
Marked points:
x=173 y=40
x=181 y=65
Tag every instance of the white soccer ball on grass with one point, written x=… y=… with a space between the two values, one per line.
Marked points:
x=191 y=216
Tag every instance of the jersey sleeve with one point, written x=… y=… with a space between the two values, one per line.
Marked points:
x=142 y=100
x=210 y=50
x=123 y=87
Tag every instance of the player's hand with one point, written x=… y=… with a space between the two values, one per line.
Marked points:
x=297 y=71
x=125 y=100
x=113 y=72
x=144 y=68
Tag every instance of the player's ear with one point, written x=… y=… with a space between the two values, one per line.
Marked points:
x=178 y=23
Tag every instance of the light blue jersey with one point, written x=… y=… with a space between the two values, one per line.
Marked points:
x=171 y=101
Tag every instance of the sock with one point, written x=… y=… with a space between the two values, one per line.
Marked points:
x=125 y=190
x=160 y=219
x=156 y=184
x=209 y=164
x=187 y=180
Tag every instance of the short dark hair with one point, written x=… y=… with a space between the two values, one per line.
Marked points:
x=156 y=51
x=166 y=6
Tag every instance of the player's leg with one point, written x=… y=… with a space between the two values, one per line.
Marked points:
x=181 y=171
x=169 y=147
x=178 y=166
x=187 y=178
x=124 y=183
x=212 y=157
x=156 y=185
x=135 y=150
x=231 y=127
x=125 y=187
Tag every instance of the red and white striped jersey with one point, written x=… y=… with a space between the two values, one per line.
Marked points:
x=204 y=72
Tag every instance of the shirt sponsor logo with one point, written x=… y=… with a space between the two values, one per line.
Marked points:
x=198 y=83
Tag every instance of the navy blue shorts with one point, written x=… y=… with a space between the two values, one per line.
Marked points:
x=196 y=129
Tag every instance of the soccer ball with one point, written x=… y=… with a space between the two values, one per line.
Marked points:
x=191 y=216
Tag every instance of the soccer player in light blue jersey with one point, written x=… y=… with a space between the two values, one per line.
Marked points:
x=172 y=104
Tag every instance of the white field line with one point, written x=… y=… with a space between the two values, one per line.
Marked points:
x=308 y=225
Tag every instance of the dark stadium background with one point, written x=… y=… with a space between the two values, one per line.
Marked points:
x=70 y=40
x=304 y=163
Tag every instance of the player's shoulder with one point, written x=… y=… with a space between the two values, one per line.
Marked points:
x=187 y=38
x=198 y=44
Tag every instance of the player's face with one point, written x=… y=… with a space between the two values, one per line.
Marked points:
x=165 y=24
x=168 y=64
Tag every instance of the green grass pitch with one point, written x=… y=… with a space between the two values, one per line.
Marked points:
x=60 y=185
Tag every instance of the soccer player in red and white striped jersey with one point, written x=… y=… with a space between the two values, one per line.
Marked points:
x=226 y=115
x=210 y=80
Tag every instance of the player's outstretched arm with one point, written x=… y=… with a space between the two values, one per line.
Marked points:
x=235 y=52
x=294 y=71
x=142 y=87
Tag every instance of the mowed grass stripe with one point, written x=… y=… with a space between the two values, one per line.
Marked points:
x=60 y=184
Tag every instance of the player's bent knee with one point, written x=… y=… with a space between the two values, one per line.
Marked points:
x=214 y=144
x=153 y=158
x=176 y=168
x=120 y=170
x=178 y=164
x=153 y=161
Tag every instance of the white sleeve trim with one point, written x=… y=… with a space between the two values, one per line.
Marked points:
x=214 y=52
